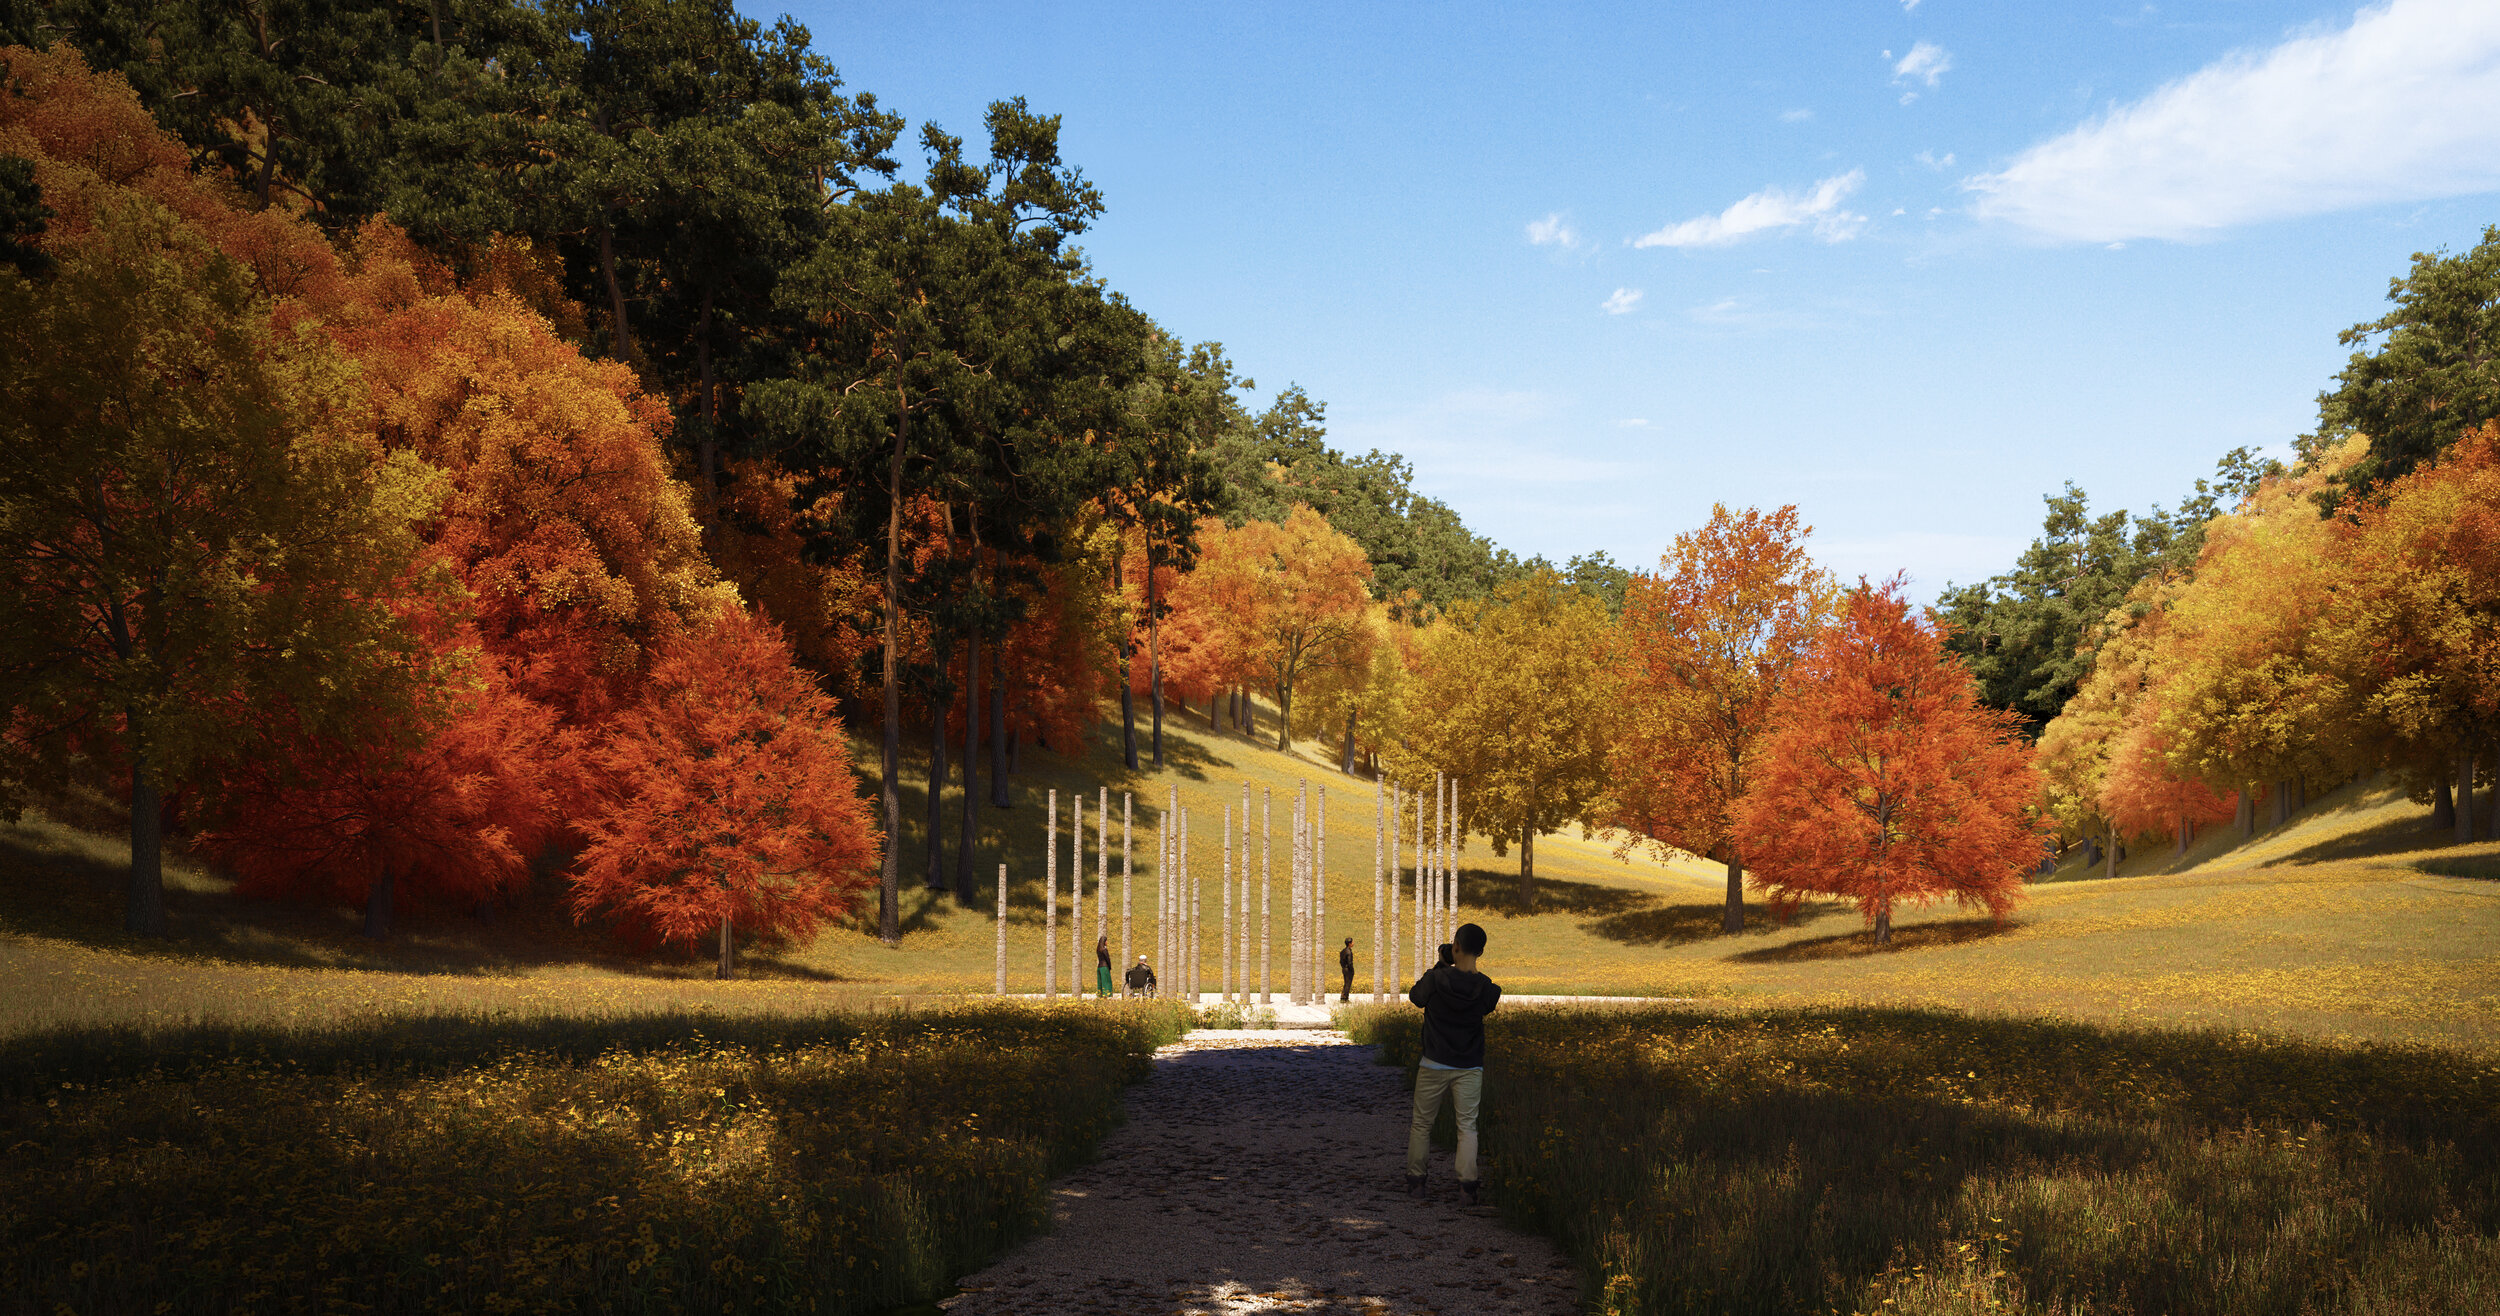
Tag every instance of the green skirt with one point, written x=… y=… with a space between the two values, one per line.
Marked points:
x=1102 y=980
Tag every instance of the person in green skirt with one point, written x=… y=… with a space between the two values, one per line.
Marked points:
x=1102 y=965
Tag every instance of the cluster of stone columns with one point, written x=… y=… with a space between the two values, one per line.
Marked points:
x=1179 y=901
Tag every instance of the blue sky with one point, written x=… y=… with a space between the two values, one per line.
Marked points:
x=1907 y=266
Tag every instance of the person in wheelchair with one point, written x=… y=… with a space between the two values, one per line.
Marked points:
x=1141 y=978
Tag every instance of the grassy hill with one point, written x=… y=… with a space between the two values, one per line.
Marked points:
x=2352 y=921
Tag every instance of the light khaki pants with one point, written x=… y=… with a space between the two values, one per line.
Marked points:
x=1465 y=1086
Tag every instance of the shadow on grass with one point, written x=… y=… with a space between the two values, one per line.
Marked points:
x=1677 y=925
x=2396 y=836
x=1853 y=945
x=2484 y=867
x=52 y=888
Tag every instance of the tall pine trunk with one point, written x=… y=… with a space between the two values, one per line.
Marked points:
x=1128 y=676
x=2112 y=870
x=890 y=875
x=972 y=776
x=616 y=297
x=144 y=914
x=936 y=877
x=1154 y=649
x=1347 y=767
x=728 y=966
x=998 y=732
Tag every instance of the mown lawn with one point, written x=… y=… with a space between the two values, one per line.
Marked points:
x=1921 y=1161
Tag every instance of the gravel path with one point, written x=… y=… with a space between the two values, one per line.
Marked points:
x=1262 y=1172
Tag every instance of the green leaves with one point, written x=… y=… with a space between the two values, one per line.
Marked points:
x=2433 y=377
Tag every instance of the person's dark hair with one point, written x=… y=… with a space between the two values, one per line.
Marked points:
x=1471 y=939
x=1447 y=958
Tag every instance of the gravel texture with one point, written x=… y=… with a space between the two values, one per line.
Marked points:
x=1264 y=1172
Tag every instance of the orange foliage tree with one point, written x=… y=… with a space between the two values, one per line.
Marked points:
x=1708 y=644
x=2419 y=620
x=728 y=798
x=442 y=810
x=1885 y=779
x=1284 y=600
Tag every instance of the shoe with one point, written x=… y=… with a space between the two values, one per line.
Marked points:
x=1467 y=1192
x=1415 y=1186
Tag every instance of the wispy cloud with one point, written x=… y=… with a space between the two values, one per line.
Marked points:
x=1927 y=63
x=1553 y=231
x=1623 y=301
x=2400 y=106
x=1799 y=115
x=1909 y=6
x=1933 y=160
x=1769 y=210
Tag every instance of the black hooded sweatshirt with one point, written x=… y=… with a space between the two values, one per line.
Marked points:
x=1455 y=1002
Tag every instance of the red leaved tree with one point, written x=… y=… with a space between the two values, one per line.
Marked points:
x=1885 y=779
x=1708 y=645
x=435 y=813
x=728 y=797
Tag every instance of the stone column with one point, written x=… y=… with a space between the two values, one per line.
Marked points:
x=1267 y=876
x=1002 y=929
x=1050 y=901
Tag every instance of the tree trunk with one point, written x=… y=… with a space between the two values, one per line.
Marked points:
x=1249 y=716
x=2183 y=836
x=2443 y=808
x=1347 y=767
x=1735 y=919
x=616 y=309
x=890 y=876
x=1527 y=869
x=378 y=905
x=972 y=758
x=1015 y=743
x=1154 y=652
x=2091 y=854
x=2114 y=853
x=998 y=735
x=1284 y=718
x=936 y=877
x=1128 y=680
x=144 y=913
x=2465 y=796
x=2282 y=803
x=2244 y=813
x=728 y=966
x=1883 y=925
x=707 y=444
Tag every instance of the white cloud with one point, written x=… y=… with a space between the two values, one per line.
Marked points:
x=1767 y=210
x=1909 y=6
x=1796 y=116
x=1927 y=62
x=1933 y=160
x=1623 y=301
x=1553 y=231
x=2400 y=106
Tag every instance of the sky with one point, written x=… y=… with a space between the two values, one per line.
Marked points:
x=1908 y=266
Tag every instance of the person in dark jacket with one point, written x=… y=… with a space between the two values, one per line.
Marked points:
x=1455 y=998
x=1141 y=979
x=1102 y=965
x=1345 y=961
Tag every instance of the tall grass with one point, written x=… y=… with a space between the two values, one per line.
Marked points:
x=1912 y=1161
x=663 y=1163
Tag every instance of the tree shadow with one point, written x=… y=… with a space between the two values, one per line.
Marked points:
x=1679 y=924
x=1853 y=945
x=2396 y=836
x=1487 y=891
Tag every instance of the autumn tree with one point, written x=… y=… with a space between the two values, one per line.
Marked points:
x=1884 y=779
x=1519 y=695
x=1289 y=598
x=191 y=519
x=728 y=798
x=2417 y=584
x=1708 y=643
x=444 y=809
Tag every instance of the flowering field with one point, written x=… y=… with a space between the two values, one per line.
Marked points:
x=1913 y=1161
x=829 y=1162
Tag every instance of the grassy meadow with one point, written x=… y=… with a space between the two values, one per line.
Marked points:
x=1924 y=1162
x=2355 y=920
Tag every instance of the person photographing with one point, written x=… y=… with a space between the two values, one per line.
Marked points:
x=1455 y=996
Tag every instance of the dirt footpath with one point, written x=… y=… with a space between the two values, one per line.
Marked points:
x=1262 y=1172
